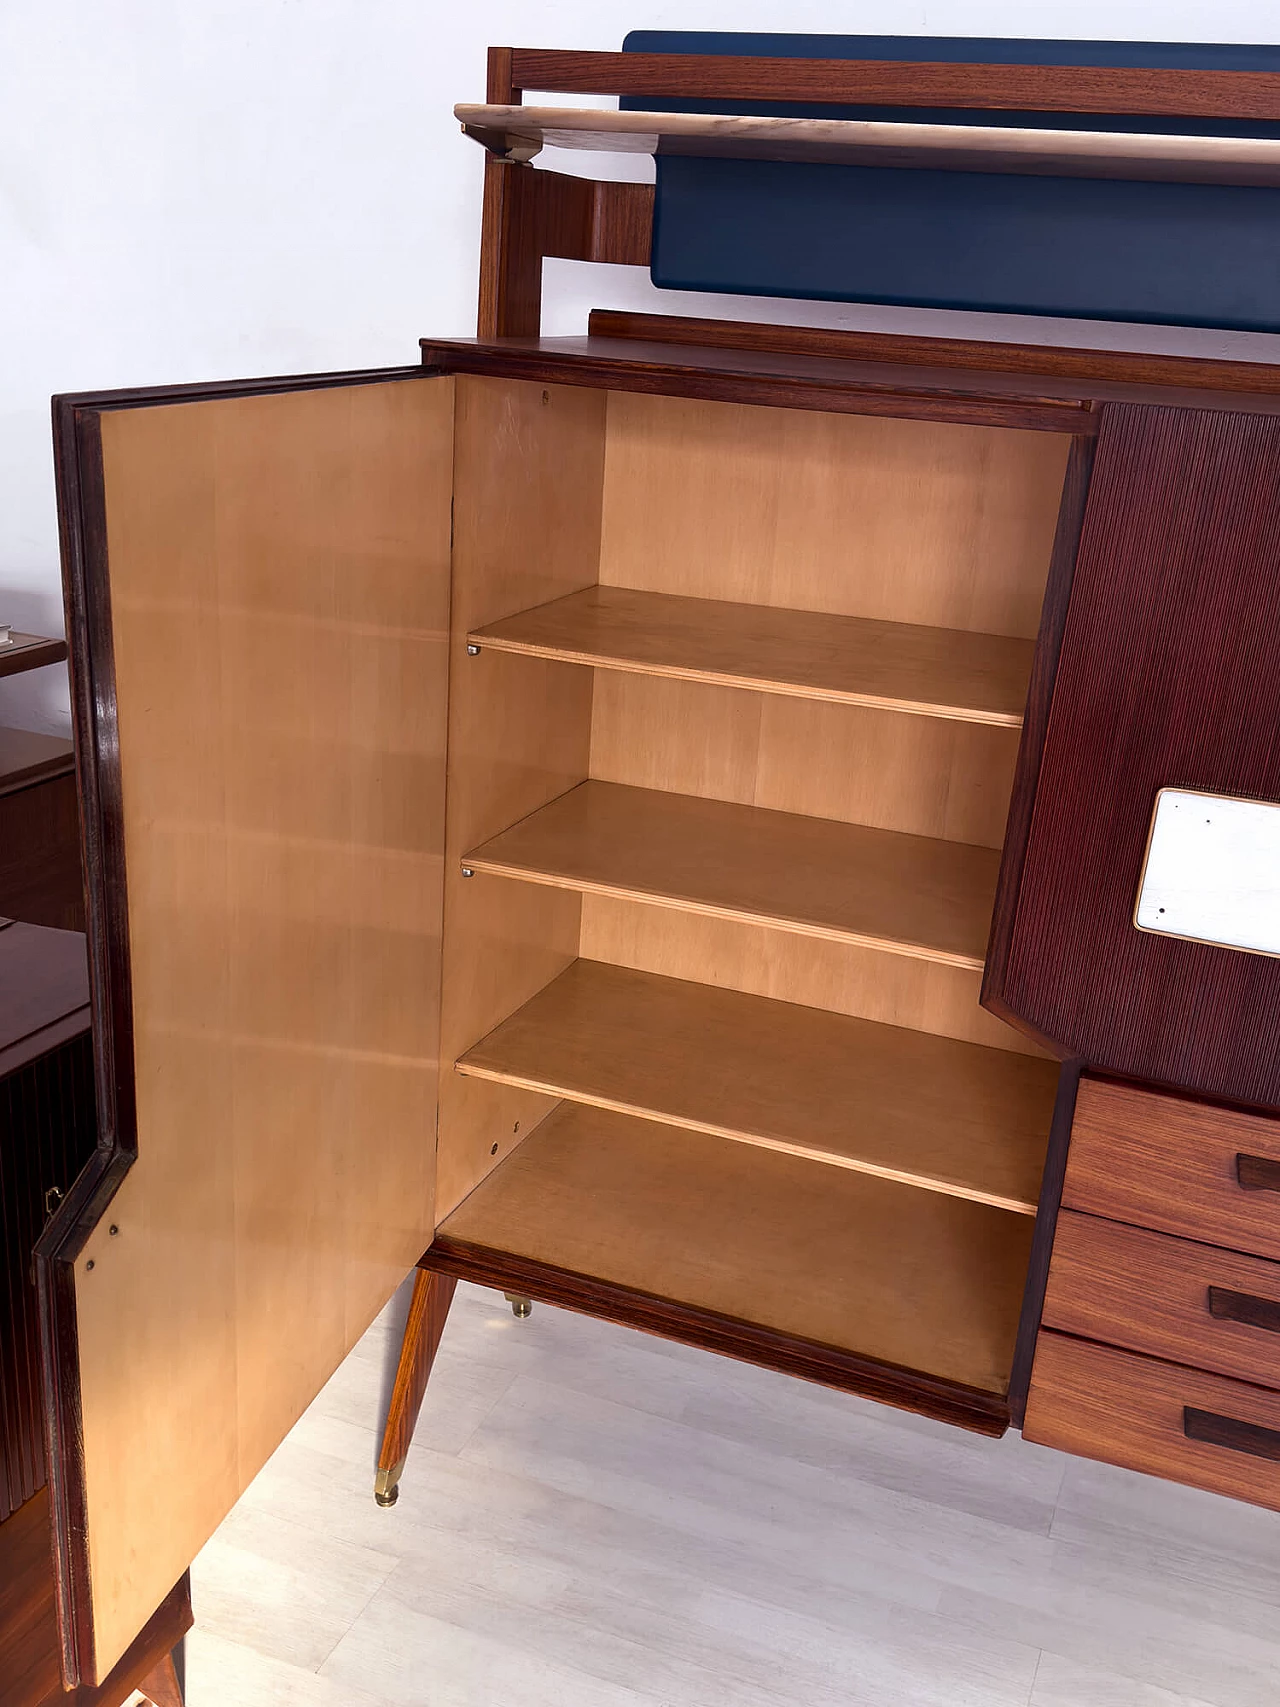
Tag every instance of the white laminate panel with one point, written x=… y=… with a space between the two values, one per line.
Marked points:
x=1212 y=871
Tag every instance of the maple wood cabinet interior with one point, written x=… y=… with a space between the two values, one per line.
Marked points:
x=679 y=770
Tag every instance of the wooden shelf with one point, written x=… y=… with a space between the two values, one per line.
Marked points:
x=26 y=757
x=30 y=652
x=928 y=1111
x=908 y=894
x=522 y=131
x=910 y=1278
x=896 y=666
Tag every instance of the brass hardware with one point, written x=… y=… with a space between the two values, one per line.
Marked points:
x=467 y=871
x=52 y=1198
x=521 y=1307
x=386 y=1485
x=473 y=651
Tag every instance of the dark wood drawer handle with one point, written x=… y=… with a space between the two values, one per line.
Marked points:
x=1243 y=1307
x=1213 y=1430
x=1257 y=1173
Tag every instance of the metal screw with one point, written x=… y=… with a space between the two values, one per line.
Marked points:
x=113 y=1231
x=516 y=1127
x=467 y=871
x=89 y=1265
x=472 y=651
x=494 y=1150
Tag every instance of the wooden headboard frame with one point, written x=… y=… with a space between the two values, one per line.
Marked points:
x=530 y=214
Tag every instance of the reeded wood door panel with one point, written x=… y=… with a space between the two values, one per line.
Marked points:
x=259 y=592
x=1169 y=677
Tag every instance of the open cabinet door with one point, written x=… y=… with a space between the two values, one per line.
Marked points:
x=258 y=592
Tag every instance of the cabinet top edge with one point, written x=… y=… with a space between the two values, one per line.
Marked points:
x=923 y=371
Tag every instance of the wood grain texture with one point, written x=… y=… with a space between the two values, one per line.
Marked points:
x=897 y=521
x=1167 y=678
x=1038 y=150
x=26 y=757
x=902 y=1277
x=29 y=652
x=1150 y=1293
x=45 y=980
x=1171 y=1163
x=1047 y=1214
x=528 y=470
x=292 y=822
x=948 y=1116
x=764 y=379
x=908 y=894
x=40 y=864
x=866 y=983
x=528 y=215
x=908 y=83
x=428 y=1311
x=161 y=1686
x=1035 y=726
x=30 y=1673
x=728 y=1336
x=849 y=660
x=1102 y=1403
x=1126 y=367
x=929 y=776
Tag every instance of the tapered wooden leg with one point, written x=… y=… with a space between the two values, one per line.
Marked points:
x=432 y=1295
x=161 y=1686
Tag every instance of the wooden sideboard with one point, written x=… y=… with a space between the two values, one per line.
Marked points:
x=652 y=822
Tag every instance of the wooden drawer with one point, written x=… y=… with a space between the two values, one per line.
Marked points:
x=1172 y=1422
x=1190 y=1303
x=1184 y=1167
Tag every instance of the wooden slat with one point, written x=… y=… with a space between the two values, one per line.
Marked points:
x=979 y=678
x=1124 y=367
x=877 y=142
x=906 y=83
x=952 y=1117
x=909 y=894
x=911 y=1278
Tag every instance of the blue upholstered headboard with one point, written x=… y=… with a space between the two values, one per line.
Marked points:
x=1095 y=248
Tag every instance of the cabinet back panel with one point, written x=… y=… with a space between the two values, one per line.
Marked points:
x=927 y=776
x=910 y=521
x=528 y=476
x=895 y=989
x=278 y=571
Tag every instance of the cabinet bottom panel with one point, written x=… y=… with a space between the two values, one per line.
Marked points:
x=904 y=1295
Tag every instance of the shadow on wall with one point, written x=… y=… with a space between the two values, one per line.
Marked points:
x=37 y=699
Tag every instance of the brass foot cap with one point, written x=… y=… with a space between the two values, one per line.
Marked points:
x=521 y=1307
x=387 y=1496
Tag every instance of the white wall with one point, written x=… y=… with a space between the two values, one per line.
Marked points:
x=208 y=189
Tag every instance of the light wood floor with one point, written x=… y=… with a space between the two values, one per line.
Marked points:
x=592 y=1518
